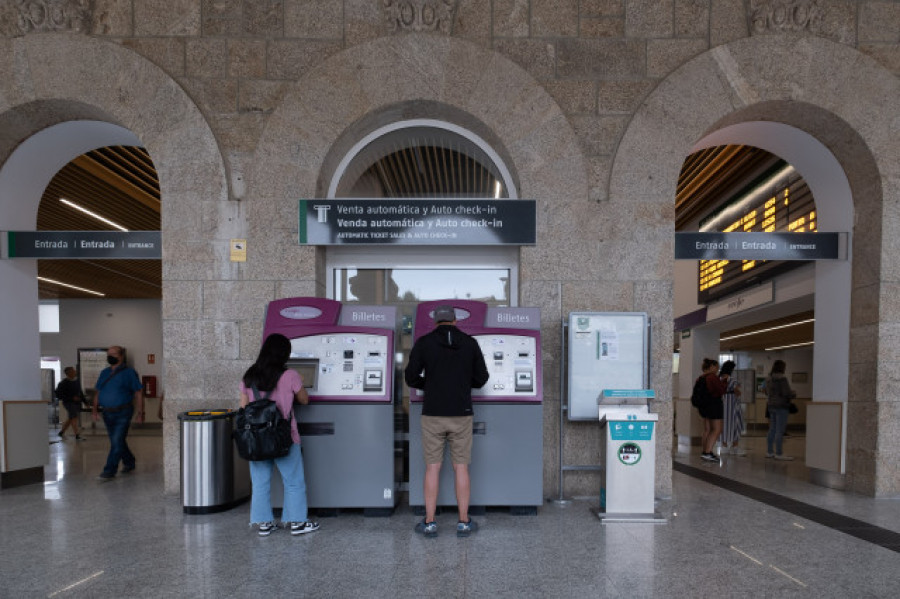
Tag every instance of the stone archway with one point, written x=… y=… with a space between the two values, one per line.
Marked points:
x=846 y=101
x=419 y=76
x=52 y=79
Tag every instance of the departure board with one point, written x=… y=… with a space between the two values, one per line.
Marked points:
x=780 y=202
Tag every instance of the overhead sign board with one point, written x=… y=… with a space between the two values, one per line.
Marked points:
x=84 y=244
x=417 y=221
x=759 y=246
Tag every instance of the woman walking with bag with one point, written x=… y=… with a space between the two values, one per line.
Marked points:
x=269 y=375
x=711 y=410
x=779 y=394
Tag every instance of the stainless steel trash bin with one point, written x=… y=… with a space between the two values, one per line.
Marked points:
x=214 y=478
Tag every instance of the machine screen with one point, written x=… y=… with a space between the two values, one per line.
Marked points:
x=308 y=371
x=511 y=361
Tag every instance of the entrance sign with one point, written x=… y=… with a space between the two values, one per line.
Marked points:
x=84 y=244
x=759 y=246
x=419 y=221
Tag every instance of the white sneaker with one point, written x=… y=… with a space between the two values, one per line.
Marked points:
x=301 y=528
x=739 y=452
x=770 y=455
x=724 y=451
x=784 y=458
x=266 y=528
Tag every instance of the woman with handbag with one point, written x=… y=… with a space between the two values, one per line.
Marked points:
x=270 y=375
x=712 y=409
x=779 y=394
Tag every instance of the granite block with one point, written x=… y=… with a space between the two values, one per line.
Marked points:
x=599 y=27
x=292 y=59
x=692 y=18
x=649 y=18
x=574 y=97
x=260 y=95
x=510 y=18
x=602 y=8
x=603 y=59
x=182 y=300
x=263 y=18
x=664 y=56
x=167 y=18
x=112 y=18
x=313 y=19
x=473 y=20
x=554 y=19
x=879 y=22
x=206 y=58
x=727 y=22
x=538 y=57
x=166 y=53
x=247 y=58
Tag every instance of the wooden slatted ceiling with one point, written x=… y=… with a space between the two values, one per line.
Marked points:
x=119 y=183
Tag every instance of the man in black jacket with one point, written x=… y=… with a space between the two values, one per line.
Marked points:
x=446 y=364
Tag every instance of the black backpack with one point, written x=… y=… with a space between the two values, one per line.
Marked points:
x=260 y=431
x=700 y=396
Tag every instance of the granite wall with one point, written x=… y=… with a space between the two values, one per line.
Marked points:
x=595 y=103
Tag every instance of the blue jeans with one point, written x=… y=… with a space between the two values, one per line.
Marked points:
x=291 y=468
x=778 y=418
x=117 y=424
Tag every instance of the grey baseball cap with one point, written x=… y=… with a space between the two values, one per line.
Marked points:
x=444 y=313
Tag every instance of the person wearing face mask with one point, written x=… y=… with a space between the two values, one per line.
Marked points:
x=119 y=390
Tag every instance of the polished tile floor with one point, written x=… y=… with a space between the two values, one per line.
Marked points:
x=74 y=537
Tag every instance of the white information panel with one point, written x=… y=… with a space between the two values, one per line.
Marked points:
x=607 y=350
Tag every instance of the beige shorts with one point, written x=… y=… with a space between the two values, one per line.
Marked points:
x=456 y=430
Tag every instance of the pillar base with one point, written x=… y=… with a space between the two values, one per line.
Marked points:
x=19 y=478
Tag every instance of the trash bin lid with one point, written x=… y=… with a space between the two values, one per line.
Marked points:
x=206 y=414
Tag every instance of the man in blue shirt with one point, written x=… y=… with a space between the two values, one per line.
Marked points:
x=118 y=391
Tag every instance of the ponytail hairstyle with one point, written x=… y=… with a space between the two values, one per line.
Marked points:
x=727 y=367
x=270 y=364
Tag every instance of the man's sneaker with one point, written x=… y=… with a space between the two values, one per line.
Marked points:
x=79 y=438
x=429 y=529
x=127 y=469
x=709 y=457
x=464 y=529
x=784 y=458
x=266 y=528
x=770 y=455
x=103 y=477
x=301 y=528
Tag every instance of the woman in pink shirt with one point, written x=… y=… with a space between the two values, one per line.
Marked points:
x=270 y=378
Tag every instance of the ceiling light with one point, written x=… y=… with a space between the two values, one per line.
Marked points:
x=92 y=214
x=792 y=345
x=781 y=326
x=755 y=195
x=497 y=189
x=46 y=280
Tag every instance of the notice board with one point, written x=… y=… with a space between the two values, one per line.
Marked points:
x=606 y=350
x=91 y=362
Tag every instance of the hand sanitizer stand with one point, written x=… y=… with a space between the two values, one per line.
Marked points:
x=627 y=494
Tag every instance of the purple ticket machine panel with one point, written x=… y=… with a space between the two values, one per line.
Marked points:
x=345 y=356
x=507 y=448
x=343 y=353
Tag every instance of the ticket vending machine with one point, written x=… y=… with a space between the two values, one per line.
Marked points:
x=507 y=447
x=345 y=356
